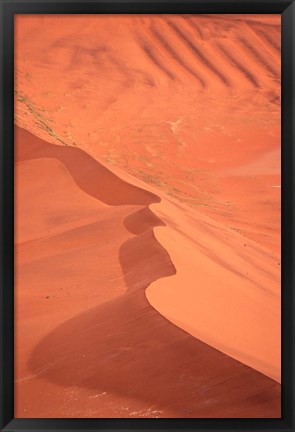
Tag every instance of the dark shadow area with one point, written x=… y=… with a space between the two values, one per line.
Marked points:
x=142 y=220
x=92 y=177
x=126 y=347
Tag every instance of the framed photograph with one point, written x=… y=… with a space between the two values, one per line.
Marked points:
x=147 y=208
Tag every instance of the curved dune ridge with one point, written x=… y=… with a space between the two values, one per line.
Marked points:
x=103 y=352
x=226 y=290
x=82 y=167
x=147 y=215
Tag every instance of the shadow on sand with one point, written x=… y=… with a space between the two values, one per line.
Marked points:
x=125 y=346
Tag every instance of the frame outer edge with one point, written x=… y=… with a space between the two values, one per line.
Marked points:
x=6 y=234
x=288 y=212
x=6 y=218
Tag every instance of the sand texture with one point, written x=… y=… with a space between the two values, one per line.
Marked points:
x=147 y=228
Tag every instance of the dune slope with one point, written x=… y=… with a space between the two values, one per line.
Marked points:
x=88 y=343
x=226 y=289
x=184 y=103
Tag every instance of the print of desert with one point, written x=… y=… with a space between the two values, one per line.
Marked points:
x=147 y=216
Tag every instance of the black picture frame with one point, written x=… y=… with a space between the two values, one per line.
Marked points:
x=10 y=7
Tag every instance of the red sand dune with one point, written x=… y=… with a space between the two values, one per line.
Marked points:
x=180 y=102
x=226 y=290
x=148 y=216
x=120 y=351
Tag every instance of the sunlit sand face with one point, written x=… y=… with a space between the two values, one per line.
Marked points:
x=147 y=216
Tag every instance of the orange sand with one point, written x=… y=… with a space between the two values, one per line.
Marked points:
x=158 y=178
